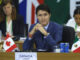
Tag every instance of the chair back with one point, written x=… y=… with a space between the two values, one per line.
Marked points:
x=68 y=35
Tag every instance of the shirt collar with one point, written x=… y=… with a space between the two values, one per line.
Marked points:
x=46 y=27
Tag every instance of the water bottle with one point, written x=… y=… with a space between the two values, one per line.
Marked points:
x=66 y=47
x=62 y=46
x=0 y=35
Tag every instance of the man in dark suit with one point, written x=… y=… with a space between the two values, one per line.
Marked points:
x=44 y=34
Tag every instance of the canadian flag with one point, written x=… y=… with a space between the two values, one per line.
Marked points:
x=9 y=44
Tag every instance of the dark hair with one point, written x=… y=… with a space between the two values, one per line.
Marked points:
x=76 y=11
x=43 y=7
x=13 y=14
x=5 y=2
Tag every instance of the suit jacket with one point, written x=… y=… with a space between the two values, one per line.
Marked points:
x=17 y=26
x=48 y=42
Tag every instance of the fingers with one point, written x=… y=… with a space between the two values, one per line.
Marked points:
x=34 y=29
x=40 y=28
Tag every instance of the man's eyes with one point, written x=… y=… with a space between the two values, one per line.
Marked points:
x=42 y=15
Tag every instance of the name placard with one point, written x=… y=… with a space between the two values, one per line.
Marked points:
x=25 y=56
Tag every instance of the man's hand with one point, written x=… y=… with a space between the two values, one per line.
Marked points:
x=78 y=34
x=33 y=30
x=40 y=28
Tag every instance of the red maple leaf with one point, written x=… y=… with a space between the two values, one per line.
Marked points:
x=8 y=43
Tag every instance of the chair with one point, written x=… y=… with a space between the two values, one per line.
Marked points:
x=25 y=29
x=68 y=35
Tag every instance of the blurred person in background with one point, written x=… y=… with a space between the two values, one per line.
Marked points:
x=75 y=22
x=10 y=21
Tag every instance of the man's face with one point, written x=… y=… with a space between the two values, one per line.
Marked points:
x=43 y=17
x=7 y=9
x=77 y=19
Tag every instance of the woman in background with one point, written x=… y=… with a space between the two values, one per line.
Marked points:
x=75 y=22
x=10 y=21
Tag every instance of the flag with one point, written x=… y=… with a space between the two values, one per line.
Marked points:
x=27 y=8
x=9 y=44
x=76 y=44
x=61 y=10
x=76 y=47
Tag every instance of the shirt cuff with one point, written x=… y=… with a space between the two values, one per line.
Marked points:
x=46 y=36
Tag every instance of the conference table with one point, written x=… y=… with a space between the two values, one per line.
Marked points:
x=43 y=56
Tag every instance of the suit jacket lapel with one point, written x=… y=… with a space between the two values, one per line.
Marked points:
x=48 y=29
